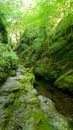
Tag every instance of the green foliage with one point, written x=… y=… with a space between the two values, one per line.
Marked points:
x=65 y=81
x=8 y=62
x=41 y=122
x=18 y=16
x=29 y=77
x=51 y=54
x=3 y=31
x=44 y=34
x=12 y=58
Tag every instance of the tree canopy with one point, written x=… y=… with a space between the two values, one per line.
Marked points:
x=32 y=14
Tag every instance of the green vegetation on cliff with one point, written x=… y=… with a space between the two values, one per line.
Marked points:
x=3 y=31
x=40 y=32
x=8 y=59
x=8 y=62
x=43 y=33
x=47 y=42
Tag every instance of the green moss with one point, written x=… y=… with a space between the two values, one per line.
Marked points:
x=65 y=81
x=52 y=57
x=28 y=78
x=8 y=62
x=8 y=112
x=40 y=121
x=34 y=100
x=3 y=76
x=10 y=101
x=13 y=72
x=43 y=125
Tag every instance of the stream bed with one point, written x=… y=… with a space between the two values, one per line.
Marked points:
x=63 y=101
x=22 y=108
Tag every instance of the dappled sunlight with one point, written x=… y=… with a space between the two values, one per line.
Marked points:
x=29 y=3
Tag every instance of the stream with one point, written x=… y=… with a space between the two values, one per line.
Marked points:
x=22 y=108
x=63 y=101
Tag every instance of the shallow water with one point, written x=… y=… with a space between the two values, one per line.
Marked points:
x=63 y=101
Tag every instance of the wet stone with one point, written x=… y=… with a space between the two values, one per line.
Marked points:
x=22 y=109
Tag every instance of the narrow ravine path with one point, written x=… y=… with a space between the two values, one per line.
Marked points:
x=22 y=109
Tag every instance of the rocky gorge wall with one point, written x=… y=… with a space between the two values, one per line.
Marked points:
x=53 y=59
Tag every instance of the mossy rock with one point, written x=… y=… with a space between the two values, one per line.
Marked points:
x=3 y=76
x=54 y=56
x=41 y=122
x=28 y=78
x=21 y=109
x=65 y=81
x=13 y=72
x=10 y=101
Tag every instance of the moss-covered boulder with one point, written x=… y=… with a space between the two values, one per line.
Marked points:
x=65 y=81
x=57 y=121
x=22 y=108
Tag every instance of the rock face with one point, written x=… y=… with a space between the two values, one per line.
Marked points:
x=65 y=81
x=57 y=121
x=54 y=56
x=22 y=109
